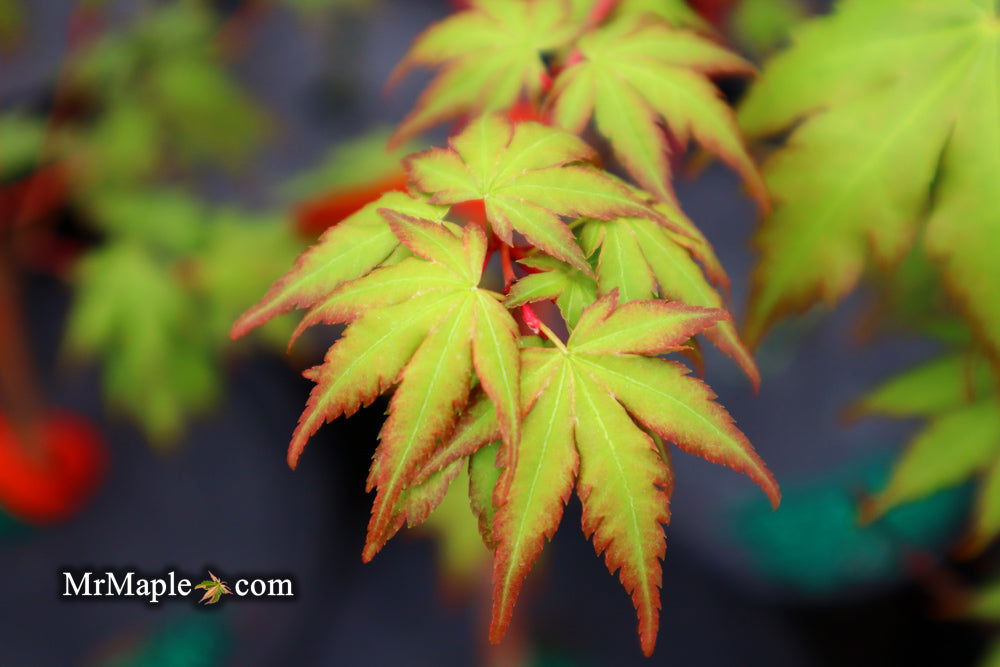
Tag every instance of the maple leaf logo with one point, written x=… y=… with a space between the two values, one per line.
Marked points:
x=215 y=588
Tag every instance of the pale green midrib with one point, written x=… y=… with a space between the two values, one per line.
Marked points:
x=501 y=176
x=652 y=388
x=550 y=284
x=294 y=285
x=458 y=258
x=590 y=343
x=574 y=298
x=435 y=463
x=546 y=233
x=827 y=64
x=441 y=283
x=711 y=110
x=449 y=175
x=659 y=172
x=515 y=556
x=644 y=578
x=417 y=427
x=345 y=375
x=618 y=254
x=508 y=387
x=613 y=196
x=700 y=287
x=820 y=222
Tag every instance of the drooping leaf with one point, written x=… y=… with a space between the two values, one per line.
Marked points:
x=526 y=176
x=488 y=56
x=427 y=335
x=637 y=73
x=888 y=128
x=594 y=397
x=952 y=448
x=933 y=388
x=344 y=252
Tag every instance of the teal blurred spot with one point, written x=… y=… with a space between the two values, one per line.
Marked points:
x=194 y=640
x=814 y=544
x=11 y=528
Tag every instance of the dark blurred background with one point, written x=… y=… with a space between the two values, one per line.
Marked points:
x=804 y=586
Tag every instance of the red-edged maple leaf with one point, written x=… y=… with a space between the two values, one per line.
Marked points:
x=214 y=588
x=489 y=55
x=636 y=73
x=425 y=324
x=345 y=252
x=528 y=175
x=587 y=405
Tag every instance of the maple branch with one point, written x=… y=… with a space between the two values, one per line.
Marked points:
x=20 y=396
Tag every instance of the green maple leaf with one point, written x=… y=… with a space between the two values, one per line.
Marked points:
x=891 y=128
x=425 y=323
x=587 y=404
x=640 y=260
x=344 y=252
x=488 y=54
x=528 y=175
x=132 y=313
x=675 y=12
x=571 y=289
x=214 y=588
x=956 y=394
x=637 y=73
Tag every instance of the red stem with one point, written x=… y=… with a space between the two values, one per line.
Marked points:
x=600 y=11
x=507 y=266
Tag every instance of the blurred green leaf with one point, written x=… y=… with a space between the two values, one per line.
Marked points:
x=241 y=257
x=12 y=21
x=162 y=219
x=21 y=137
x=132 y=312
x=762 y=26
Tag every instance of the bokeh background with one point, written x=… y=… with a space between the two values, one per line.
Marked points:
x=802 y=586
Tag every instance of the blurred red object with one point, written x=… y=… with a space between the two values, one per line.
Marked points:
x=715 y=11
x=56 y=485
x=313 y=217
x=35 y=196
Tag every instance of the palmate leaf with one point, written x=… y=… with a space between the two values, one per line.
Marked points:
x=640 y=260
x=961 y=440
x=489 y=55
x=588 y=403
x=347 y=251
x=528 y=176
x=425 y=324
x=637 y=73
x=888 y=125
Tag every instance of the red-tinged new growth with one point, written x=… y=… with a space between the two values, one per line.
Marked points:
x=591 y=400
x=533 y=417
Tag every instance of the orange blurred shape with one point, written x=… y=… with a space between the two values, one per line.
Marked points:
x=313 y=217
x=55 y=486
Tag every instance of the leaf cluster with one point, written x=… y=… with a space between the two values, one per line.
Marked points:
x=532 y=418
